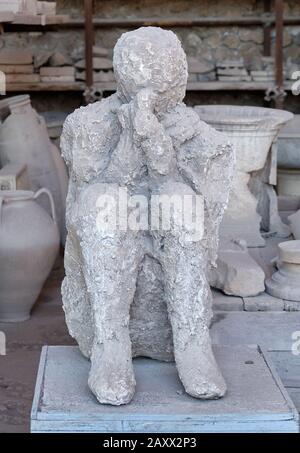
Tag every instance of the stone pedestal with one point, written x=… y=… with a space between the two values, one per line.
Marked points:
x=289 y=182
x=289 y=144
x=294 y=221
x=285 y=283
x=255 y=402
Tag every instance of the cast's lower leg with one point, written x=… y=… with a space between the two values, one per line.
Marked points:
x=189 y=306
x=111 y=273
x=111 y=259
x=76 y=302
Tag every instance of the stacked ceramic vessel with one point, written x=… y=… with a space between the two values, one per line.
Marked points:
x=32 y=213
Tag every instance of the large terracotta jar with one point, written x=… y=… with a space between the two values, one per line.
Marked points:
x=29 y=243
x=24 y=139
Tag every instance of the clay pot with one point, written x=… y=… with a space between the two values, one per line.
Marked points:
x=24 y=140
x=29 y=243
x=54 y=122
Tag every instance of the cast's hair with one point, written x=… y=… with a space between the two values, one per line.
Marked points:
x=150 y=56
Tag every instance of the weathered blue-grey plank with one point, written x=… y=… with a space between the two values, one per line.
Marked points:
x=39 y=384
x=288 y=367
x=68 y=426
x=255 y=402
x=271 y=330
x=295 y=396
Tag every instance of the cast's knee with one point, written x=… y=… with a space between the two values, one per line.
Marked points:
x=178 y=212
x=98 y=211
x=97 y=196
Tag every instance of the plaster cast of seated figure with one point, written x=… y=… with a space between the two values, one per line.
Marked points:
x=145 y=139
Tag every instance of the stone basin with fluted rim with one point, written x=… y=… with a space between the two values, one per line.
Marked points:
x=252 y=131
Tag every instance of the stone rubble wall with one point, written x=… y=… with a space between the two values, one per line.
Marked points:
x=211 y=44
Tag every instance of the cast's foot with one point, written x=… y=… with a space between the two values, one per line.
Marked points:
x=112 y=379
x=82 y=332
x=198 y=370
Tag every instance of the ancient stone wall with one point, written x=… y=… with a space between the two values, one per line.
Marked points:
x=211 y=44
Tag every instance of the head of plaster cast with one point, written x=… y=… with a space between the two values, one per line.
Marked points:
x=151 y=58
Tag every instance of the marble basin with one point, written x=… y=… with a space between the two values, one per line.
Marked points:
x=252 y=131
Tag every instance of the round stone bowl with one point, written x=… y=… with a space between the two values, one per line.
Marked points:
x=289 y=252
x=251 y=130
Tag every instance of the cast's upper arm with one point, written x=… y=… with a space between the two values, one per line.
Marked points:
x=207 y=160
x=89 y=136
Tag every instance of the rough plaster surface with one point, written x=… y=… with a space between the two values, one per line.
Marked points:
x=145 y=139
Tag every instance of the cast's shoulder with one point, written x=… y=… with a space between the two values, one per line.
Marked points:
x=93 y=113
x=186 y=117
x=181 y=113
x=210 y=136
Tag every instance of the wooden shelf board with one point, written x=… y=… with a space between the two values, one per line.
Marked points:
x=43 y=86
x=41 y=20
x=6 y=16
x=111 y=86
x=183 y=22
x=65 y=20
x=231 y=86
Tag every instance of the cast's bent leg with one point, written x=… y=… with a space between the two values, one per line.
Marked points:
x=76 y=302
x=184 y=262
x=189 y=301
x=111 y=263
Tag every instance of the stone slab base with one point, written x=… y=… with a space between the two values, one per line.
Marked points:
x=261 y=302
x=255 y=402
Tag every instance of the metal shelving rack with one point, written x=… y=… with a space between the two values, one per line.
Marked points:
x=273 y=17
x=267 y=21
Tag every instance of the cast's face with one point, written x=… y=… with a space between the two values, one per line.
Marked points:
x=166 y=95
x=153 y=59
